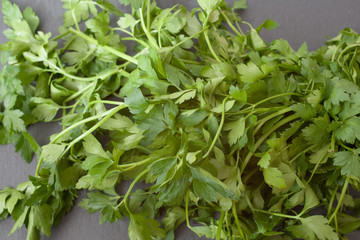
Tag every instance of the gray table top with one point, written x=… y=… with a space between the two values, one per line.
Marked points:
x=300 y=21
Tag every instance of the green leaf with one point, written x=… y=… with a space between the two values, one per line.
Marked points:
x=206 y=186
x=268 y=24
x=51 y=153
x=273 y=177
x=349 y=130
x=318 y=225
x=240 y=4
x=12 y=121
x=208 y=5
x=257 y=42
x=238 y=94
x=93 y=146
x=43 y=215
x=251 y=73
x=45 y=109
x=135 y=4
x=31 y=18
x=349 y=163
x=237 y=130
x=143 y=228
x=304 y=110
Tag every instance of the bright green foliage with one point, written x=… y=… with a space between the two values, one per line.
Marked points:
x=237 y=137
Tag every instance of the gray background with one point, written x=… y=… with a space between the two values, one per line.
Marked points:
x=300 y=21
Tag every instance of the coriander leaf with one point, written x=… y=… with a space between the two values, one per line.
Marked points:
x=318 y=225
x=349 y=163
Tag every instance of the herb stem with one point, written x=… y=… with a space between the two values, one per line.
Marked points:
x=107 y=48
x=138 y=177
x=342 y=196
x=333 y=195
x=220 y=225
x=219 y=129
x=210 y=46
x=264 y=137
x=147 y=33
x=237 y=221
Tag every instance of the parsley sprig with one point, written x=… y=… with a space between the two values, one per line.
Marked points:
x=235 y=137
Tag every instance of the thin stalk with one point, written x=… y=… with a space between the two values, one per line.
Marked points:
x=264 y=137
x=219 y=129
x=210 y=47
x=138 y=177
x=271 y=116
x=135 y=40
x=147 y=33
x=77 y=94
x=332 y=199
x=342 y=196
x=133 y=165
x=107 y=48
x=220 y=225
x=230 y=24
x=85 y=121
x=237 y=221
x=61 y=35
x=277 y=214
x=187 y=210
x=187 y=39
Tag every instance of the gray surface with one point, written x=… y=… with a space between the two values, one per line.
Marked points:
x=299 y=21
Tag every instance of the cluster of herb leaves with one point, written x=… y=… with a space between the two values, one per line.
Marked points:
x=237 y=138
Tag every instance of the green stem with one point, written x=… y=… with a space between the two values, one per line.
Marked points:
x=277 y=214
x=61 y=35
x=210 y=46
x=332 y=199
x=220 y=225
x=148 y=14
x=342 y=196
x=107 y=48
x=96 y=126
x=84 y=79
x=77 y=94
x=219 y=129
x=147 y=33
x=264 y=137
x=187 y=39
x=237 y=221
x=300 y=153
x=230 y=24
x=138 y=177
x=136 y=40
x=264 y=120
x=187 y=209
x=105 y=114
x=133 y=165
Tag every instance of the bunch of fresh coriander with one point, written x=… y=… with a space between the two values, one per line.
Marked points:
x=236 y=137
